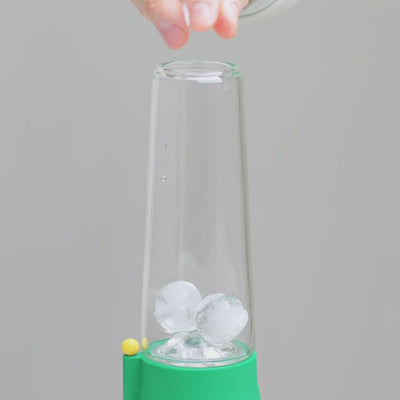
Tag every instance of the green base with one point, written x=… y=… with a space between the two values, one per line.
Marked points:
x=145 y=379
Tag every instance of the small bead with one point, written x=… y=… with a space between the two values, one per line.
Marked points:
x=130 y=347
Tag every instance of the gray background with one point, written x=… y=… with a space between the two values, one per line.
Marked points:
x=322 y=86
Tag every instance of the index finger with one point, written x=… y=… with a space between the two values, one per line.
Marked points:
x=168 y=18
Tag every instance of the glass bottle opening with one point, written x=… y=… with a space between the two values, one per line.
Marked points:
x=197 y=70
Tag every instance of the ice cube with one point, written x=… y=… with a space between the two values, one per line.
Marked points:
x=175 y=306
x=190 y=349
x=191 y=346
x=220 y=318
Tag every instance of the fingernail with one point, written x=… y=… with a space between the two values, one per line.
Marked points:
x=171 y=33
x=186 y=13
x=201 y=13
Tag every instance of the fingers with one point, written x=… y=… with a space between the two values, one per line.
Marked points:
x=168 y=18
x=228 y=17
x=202 y=14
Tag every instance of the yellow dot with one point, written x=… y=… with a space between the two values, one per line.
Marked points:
x=145 y=343
x=130 y=347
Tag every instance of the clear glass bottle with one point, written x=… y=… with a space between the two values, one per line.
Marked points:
x=197 y=307
x=266 y=6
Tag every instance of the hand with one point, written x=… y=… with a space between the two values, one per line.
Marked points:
x=168 y=16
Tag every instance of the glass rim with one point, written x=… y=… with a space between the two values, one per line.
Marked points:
x=197 y=70
x=254 y=7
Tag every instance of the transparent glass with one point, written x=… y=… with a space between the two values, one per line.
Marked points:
x=256 y=6
x=197 y=308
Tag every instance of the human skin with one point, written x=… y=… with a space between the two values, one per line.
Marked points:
x=169 y=18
